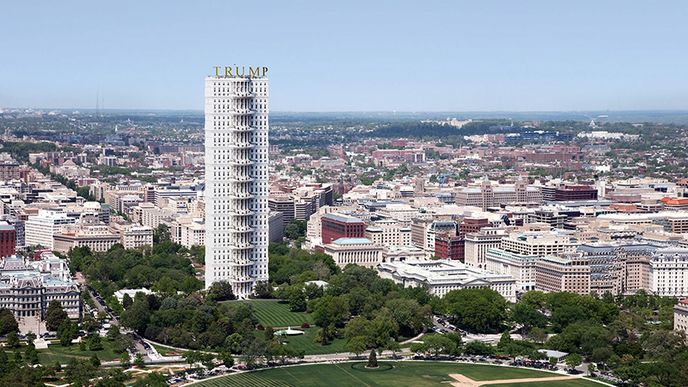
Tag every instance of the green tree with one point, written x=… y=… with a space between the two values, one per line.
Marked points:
x=113 y=333
x=220 y=291
x=529 y=316
x=372 y=359
x=478 y=348
x=31 y=354
x=438 y=344
x=295 y=229
x=479 y=310
x=553 y=361
x=357 y=326
x=356 y=345
x=66 y=332
x=382 y=328
x=124 y=360
x=296 y=298
x=227 y=359
x=393 y=346
x=138 y=361
x=161 y=234
x=54 y=316
x=154 y=379
x=538 y=335
x=94 y=343
x=329 y=312
x=505 y=342
x=137 y=315
x=263 y=289
x=126 y=301
x=7 y=322
x=80 y=373
x=12 y=340
x=573 y=360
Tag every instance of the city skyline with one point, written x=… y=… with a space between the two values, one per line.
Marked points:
x=494 y=56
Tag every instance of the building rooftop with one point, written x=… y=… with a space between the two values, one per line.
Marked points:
x=343 y=218
x=352 y=241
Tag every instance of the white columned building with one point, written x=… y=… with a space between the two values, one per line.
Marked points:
x=236 y=177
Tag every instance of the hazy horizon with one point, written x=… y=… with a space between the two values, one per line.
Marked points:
x=491 y=56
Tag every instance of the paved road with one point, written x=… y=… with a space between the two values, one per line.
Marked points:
x=150 y=353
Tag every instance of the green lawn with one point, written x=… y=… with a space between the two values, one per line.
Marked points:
x=56 y=352
x=403 y=374
x=560 y=383
x=164 y=351
x=276 y=313
x=307 y=343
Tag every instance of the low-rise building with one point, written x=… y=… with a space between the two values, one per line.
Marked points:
x=395 y=253
x=358 y=251
x=681 y=316
x=136 y=236
x=96 y=237
x=442 y=276
x=388 y=232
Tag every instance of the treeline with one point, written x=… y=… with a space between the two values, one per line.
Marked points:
x=356 y=304
x=435 y=130
x=164 y=268
x=20 y=150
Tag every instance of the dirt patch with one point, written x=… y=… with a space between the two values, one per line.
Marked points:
x=464 y=381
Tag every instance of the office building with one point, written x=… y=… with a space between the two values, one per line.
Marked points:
x=8 y=239
x=236 y=180
x=41 y=228
x=335 y=226
x=28 y=287
x=357 y=251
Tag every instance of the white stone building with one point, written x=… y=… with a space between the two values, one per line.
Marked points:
x=40 y=229
x=358 y=251
x=669 y=272
x=389 y=232
x=477 y=244
x=443 y=276
x=27 y=288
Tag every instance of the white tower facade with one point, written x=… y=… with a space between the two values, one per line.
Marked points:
x=236 y=178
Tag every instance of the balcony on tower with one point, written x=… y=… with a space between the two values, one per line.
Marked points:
x=240 y=162
x=242 y=94
x=241 y=246
x=241 y=179
x=242 y=112
x=241 y=229
x=241 y=213
x=241 y=195
x=243 y=128
x=241 y=145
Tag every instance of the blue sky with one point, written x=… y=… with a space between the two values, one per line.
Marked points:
x=350 y=55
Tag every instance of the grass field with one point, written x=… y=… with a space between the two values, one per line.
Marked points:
x=65 y=354
x=403 y=374
x=275 y=313
x=308 y=344
x=563 y=383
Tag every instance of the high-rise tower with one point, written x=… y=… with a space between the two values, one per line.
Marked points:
x=236 y=178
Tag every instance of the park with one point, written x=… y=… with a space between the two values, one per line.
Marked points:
x=399 y=374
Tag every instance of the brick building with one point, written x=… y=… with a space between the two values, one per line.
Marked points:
x=335 y=226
